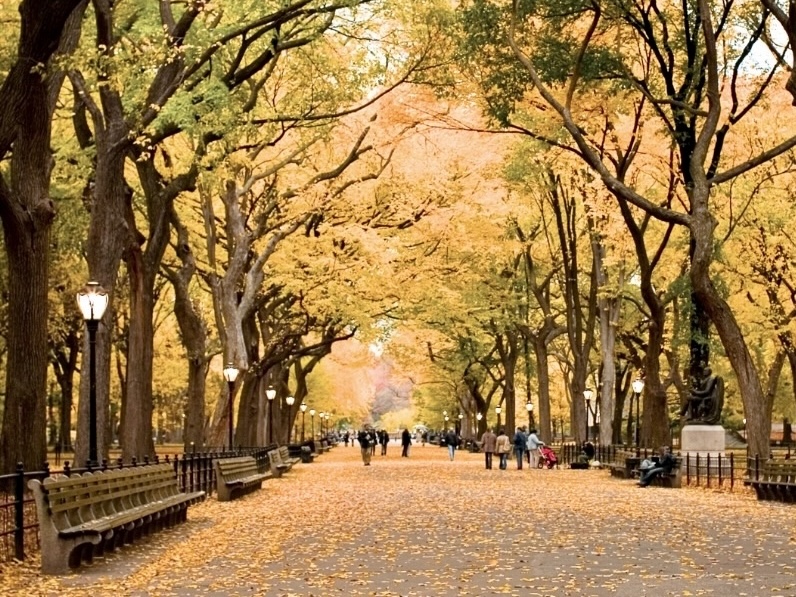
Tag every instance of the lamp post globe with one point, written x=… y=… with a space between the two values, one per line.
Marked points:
x=92 y=301
x=230 y=375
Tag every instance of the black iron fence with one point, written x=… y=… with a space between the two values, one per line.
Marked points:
x=18 y=520
x=717 y=472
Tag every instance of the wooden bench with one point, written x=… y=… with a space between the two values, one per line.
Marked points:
x=237 y=476
x=625 y=465
x=775 y=481
x=84 y=515
x=278 y=466
x=284 y=454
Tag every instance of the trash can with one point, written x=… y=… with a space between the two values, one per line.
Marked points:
x=306 y=454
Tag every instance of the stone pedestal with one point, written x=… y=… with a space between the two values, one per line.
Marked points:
x=703 y=440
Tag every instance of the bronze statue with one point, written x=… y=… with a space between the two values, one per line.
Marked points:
x=705 y=401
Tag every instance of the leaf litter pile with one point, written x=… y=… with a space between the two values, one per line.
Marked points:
x=426 y=526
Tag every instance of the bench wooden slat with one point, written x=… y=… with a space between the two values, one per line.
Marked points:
x=235 y=476
x=103 y=508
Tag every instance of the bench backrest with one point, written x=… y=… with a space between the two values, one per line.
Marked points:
x=232 y=469
x=779 y=472
x=275 y=459
x=81 y=498
x=284 y=453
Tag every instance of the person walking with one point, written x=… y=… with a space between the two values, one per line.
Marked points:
x=384 y=439
x=488 y=440
x=366 y=441
x=452 y=440
x=502 y=448
x=406 y=441
x=534 y=443
x=520 y=443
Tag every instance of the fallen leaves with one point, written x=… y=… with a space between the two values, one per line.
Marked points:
x=426 y=526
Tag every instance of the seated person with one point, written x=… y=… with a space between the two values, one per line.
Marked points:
x=664 y=465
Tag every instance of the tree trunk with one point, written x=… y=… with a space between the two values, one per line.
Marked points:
x=136 y=432
x=543 y=376
x=27 y=214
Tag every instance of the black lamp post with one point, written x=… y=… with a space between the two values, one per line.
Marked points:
x=303 y=408
x=230 y=374
x=461 y=416
x=498 y=410
x=312 y=421
x=270 y=393
x=92 y=301
x=638 y=387
x=588 y=393
x=290 y=400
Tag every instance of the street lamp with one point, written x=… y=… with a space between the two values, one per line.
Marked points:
x=529 y=408
x=461 y=416
x=270 y=393
x=446 y=422
x=638 y=387
x=322 y=417
x=290 y=400
x=92 y=301
x=312 y=421
x=230 y=374
x=498 y=410
x=303 y=408
x=588 y=393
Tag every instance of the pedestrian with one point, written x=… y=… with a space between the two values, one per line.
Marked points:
x=423 y=438
x=406 y=441
x=452 y=440
x=345 y=438
x=366 y=441
x=502 y=448
x=488 y=440
x=520 y=443
x=384 y=439
x=534 y=443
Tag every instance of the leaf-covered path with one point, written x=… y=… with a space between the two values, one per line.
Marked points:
x=430 y=527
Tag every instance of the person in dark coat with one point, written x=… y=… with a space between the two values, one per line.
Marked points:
x=665 y=465
x=406 y=441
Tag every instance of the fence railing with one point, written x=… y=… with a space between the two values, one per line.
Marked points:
x=18 y=520
x=718 y=472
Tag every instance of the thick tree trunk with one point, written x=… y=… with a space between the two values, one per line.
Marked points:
x=543 y=376
x=136 y=432
x=27 y=214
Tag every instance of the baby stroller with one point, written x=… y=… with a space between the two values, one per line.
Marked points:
x=547 y=458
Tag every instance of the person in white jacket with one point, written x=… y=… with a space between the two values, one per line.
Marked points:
x=533 y=448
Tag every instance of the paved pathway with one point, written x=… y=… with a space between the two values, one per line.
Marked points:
x=426 y=526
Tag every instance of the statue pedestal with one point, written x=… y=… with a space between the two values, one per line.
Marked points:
x=705 y=440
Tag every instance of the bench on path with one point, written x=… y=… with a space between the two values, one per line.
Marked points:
x=278 y=466
x=302 y=452
x=775 y=481
x=284 y=454
x=85 y=515
x=625 y=465
x=237 y=476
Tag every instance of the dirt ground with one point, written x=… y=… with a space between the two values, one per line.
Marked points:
x=427 y=526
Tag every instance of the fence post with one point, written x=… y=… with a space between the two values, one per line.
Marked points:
x=19 y=512
x=707 y=472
